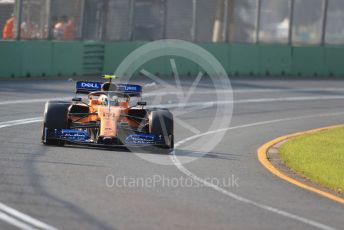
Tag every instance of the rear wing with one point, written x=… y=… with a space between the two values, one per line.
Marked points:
x=130 y=89
x=85 y=87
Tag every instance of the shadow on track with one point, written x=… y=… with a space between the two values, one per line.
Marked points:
x=35 y=182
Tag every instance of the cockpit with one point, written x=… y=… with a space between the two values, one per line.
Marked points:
x=114 y=99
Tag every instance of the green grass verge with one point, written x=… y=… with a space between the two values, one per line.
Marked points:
x=318 y=156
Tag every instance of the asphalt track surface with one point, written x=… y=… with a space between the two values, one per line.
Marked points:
x=66 y=188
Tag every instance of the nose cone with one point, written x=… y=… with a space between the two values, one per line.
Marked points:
x=108 y=121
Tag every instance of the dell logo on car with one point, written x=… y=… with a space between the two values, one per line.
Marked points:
x=89 y=85
x=130 y=88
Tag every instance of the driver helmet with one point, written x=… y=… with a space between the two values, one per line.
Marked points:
x=108 y=86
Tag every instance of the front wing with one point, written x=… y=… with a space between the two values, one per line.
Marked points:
x=79 y=137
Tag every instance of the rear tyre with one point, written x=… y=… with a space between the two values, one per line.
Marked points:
x=161 y=124
x=55 y=117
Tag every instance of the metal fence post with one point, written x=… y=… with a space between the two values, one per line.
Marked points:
x=104 y=19
x=225 y=21
x=49 y=29
x=259 y=9
x=131 y=19
x=81 y=19
x=218 y=21
x=163 y=15
x=165 y=18
x=18 y=15
x=194 y=21
x=324 y=25
x=291 y=22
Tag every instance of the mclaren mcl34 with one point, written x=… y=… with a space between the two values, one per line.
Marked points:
x=108 y=114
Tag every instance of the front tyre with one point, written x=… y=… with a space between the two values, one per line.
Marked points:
x=55 y=117
x=161 y=124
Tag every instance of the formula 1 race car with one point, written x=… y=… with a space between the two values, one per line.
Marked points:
x=108 y=117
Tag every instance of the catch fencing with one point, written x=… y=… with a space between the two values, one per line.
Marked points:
x=297 y=22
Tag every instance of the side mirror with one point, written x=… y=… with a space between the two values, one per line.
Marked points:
x=142 y=103
x=77 y=99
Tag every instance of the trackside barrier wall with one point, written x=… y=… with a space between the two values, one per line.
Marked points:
x=244 y=59
x=10 y=59
x=334 y=57
x=93 y=58
x=36 y=58
x=40 y=58
x=274 y=60
x=309 y=61
x=77 y=58
x=66 y=58
x=116 y=52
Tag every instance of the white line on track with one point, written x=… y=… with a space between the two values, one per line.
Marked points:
x=10 y=215
x=20 y=122
x=288 y=90
x=202 y=91
x=153 y=94
x=12 y=221
x=30 y=101
x=243 y=101
x=24 y=221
